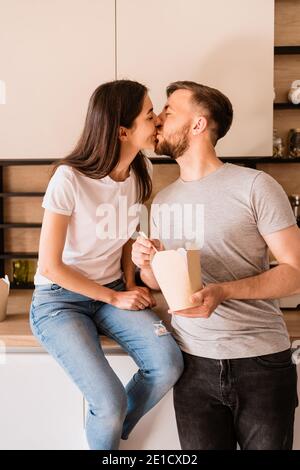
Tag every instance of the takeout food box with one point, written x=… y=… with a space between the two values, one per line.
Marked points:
x=4 y=291
x=178 y=273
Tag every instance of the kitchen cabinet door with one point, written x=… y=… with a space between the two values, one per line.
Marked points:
x=40 y=407
x=54 y=53
x=226 y=45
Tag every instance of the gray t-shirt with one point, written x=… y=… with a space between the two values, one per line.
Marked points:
x=239 y=205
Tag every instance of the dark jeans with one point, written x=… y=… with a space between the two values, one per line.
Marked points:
x=251 y=401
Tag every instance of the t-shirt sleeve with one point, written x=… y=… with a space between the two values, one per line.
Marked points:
x=60 y=193
x=270 y=204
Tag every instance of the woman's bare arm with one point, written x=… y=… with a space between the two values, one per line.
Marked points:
x=52 y=241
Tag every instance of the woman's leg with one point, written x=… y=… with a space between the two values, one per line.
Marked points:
x=67 y=332
x=158 y=357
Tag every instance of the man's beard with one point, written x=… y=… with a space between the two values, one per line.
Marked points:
x=176 y=148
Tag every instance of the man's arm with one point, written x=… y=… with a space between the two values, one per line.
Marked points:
x=281 y=281
x=277 y=282
x=148 y=278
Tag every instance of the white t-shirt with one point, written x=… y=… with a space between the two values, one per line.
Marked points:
x=104 y=215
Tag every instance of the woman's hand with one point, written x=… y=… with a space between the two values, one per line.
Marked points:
x=134 y=298
x=146 y=292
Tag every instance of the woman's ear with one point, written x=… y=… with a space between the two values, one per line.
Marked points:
x=200 y=124
x=123 y=134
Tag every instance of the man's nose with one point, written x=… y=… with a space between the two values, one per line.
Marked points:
x=158 y=120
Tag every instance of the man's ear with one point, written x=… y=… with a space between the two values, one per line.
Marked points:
x=123 y=134
x=200 y=124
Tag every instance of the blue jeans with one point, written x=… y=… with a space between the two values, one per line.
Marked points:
x=68 y=326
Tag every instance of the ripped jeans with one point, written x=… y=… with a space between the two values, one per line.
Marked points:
x=68 y=326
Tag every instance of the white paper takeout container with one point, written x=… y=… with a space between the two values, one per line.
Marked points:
x=178 y=273
x=4 y=292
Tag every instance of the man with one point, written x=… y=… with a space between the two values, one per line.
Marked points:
x=240 y=383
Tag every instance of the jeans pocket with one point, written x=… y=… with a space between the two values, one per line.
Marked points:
x=278 y=360
x=47 y=291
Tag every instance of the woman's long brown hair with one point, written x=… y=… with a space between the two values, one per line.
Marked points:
x=97 y=152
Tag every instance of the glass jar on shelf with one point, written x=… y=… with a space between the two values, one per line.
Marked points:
x=23 y=271
x=294 y=143
x=20 y=272
x=278 y=147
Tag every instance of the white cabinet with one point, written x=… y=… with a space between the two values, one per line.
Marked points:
x=297 y=417
x=226 y=45
x=40 y=407
x=54 y=53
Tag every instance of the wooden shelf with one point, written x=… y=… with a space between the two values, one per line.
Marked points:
x=248 y=161
x=286 y=50
x=26 y=287
x=19 y=225
x=18 y=255
x=155 y=160
x=27 y=161
x=19 y=194
x=286 y=106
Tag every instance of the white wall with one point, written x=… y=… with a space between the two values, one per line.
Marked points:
x=224 y=44
x=54 y=53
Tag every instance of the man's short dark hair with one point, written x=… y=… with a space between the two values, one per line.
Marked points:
x=215 y=104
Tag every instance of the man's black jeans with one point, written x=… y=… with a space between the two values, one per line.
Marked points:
x=250 y=402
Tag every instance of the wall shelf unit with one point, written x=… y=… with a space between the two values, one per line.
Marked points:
x=286 y=68
x=250 y=162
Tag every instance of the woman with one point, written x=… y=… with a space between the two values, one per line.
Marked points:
x=85 y=279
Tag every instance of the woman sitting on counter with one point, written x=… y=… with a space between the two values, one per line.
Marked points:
x=85 y=279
